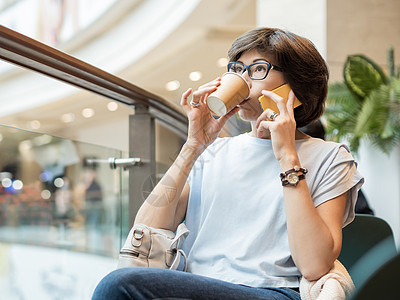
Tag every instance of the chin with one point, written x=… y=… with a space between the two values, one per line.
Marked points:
x=249 y=113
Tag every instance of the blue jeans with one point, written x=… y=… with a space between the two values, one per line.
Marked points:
x=151 y=283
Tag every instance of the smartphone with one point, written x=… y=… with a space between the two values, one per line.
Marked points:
x=282 y=91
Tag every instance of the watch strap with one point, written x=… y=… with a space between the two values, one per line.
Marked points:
x=295 y=169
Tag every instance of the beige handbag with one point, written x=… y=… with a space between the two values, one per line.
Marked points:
x=154 y=248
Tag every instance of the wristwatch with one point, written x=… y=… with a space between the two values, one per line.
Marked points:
x=291 y=177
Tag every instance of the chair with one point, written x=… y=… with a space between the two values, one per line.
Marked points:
x=365 y=232
x=375 y=275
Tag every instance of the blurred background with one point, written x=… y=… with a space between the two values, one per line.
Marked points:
x=63 y=209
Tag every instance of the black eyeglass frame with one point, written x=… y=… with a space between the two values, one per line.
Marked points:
x=247 y=68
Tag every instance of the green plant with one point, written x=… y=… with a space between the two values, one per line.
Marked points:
x=366 y=105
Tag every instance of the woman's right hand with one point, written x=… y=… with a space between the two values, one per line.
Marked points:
x=203 y=127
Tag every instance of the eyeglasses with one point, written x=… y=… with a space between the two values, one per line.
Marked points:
x=256 y=71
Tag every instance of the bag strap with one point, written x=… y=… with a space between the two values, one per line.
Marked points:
x=177 y=260
x=180 y=236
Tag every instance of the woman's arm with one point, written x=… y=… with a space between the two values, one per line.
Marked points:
x=314 y=233
x=165 y=207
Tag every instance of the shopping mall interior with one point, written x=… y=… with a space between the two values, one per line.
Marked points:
x=91 y=119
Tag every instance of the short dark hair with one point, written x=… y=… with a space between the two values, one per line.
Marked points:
x=303 y=66
x=314 y=129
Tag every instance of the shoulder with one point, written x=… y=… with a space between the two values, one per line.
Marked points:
x=322 y=156
x=320 y=147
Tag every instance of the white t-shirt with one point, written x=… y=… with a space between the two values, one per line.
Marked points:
x=236 y=214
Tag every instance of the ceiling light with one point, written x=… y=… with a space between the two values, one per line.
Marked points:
x=112 y=106
x=35 y=124
x=59 y=182
x=88 y=112
x=42 y=140
x=17 y=185
x=6 y=182
x=222 y=62
x=25 y=146
x=68 y=118
x=173 y=85
x=45 y=176
x=46 y=194
x=195 y=76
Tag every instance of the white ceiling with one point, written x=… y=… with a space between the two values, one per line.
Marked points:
x=196 y=45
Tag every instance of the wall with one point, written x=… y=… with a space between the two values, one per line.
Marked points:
x=381 y=187
x=306 y=18
x=361 y=26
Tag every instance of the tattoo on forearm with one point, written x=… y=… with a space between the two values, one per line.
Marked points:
x=161 y=194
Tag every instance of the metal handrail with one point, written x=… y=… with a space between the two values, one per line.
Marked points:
x=21 y=50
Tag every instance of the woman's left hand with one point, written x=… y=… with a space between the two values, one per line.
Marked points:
x=282 y=128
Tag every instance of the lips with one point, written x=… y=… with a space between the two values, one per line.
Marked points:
x=243 y=102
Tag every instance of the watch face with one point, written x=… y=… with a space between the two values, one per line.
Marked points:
x=293 y=178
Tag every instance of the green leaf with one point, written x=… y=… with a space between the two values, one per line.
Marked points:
x=340 y=115
x=379 y=118
x=366 y=106
x=362 y=75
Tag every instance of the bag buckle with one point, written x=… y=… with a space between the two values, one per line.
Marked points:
x=138 y=234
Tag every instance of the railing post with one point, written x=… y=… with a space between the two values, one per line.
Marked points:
x=141 y=145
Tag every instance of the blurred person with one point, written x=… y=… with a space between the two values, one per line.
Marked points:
x=89 y=197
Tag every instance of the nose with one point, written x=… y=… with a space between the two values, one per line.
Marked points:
x=246 y=76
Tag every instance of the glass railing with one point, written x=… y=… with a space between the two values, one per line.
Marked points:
x=67 y=196
x=61 y=212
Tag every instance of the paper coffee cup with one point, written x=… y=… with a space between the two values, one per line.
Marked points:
x=232 y=91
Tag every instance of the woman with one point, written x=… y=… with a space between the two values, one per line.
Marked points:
x=253 y=233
